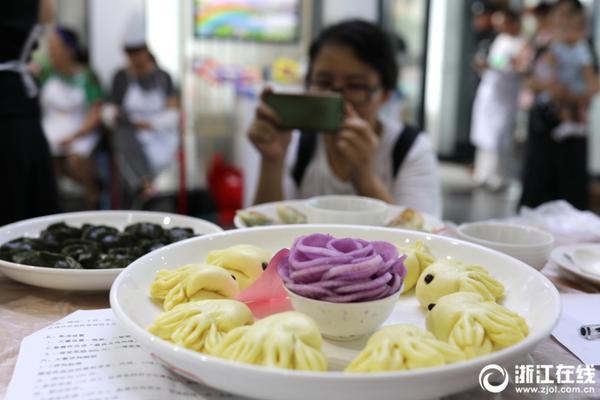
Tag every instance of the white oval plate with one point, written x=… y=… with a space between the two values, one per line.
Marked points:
x=135 y=311
x=85 y=279
x=567 y=264
x=431 y=223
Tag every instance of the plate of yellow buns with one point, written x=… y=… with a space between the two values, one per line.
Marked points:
x=457 y=307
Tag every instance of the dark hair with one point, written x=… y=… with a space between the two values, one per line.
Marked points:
x=574 y=5
x=369 y=43
x=480 y=7
x=542 y=10
x=71 y=40
x=511 y=14
x=133 y=49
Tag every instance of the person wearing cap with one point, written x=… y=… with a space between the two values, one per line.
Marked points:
x=146 y=119
x=28 y=183
x=71 y=100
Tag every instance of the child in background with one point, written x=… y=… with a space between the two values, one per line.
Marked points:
x=555 y=162
x=575 y=74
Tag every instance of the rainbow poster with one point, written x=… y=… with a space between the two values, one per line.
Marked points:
x=275 y=21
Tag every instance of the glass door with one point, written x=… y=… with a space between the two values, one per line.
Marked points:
x=408 y=20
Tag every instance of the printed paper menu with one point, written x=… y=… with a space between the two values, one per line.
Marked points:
x=88 y=356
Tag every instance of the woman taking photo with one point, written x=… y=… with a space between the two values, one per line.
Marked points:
x=370 y=155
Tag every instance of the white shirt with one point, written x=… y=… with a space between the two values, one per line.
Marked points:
x=416 y=185
x=503 y=50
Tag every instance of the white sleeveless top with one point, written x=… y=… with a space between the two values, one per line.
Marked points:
x=416 y=185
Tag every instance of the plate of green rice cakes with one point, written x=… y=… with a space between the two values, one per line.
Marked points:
x=85 y=251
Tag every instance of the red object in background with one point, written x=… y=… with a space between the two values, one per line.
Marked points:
x=182 y=199
x=226 y=186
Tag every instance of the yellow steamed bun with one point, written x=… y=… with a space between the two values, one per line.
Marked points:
x=288 y=340
x=475 y=325
x=449 y=276
x=244 y=261
x=200 y=325
x=167 y=279
x=193 y=282
x=417 y=259
x=403 y=346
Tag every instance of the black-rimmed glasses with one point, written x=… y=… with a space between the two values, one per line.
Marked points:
x=356 y=94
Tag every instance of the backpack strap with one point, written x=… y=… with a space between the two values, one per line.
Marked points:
x=306 y=148
x=403 y=145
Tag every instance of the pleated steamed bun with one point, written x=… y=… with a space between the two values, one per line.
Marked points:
x=444 y=277
x=288 y=340
x=244 y=261
x=402 y=347
x=201 y=325
x=193 y=282
x=475 y=325
x=418 y=257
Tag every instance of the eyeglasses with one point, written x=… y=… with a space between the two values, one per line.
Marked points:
x=356 y=94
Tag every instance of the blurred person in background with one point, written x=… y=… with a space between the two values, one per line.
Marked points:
x=533 y=60
x=484 y=32
x=496 y=103
x=575 y=72
x=544 y=32
x=356 y=59
x=71 y=102
x=555 y=165
x=146 y=117
x=26 y=173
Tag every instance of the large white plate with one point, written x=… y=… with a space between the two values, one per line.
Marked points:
x=431 y=223
x=568 y=265
x=67 y=279
x=135 y=311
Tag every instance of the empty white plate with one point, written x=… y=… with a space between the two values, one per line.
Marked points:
x=581 y=260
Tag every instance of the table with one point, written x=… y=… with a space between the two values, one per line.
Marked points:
x=26 y=309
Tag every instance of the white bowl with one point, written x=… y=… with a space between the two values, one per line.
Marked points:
x=135 y=311
x=345 y=321
x=85 y=279
x=528 y=244
x=354 y=210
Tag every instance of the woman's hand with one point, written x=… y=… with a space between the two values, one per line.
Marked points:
x=142 y=125
x=357 y=142
x=269 y=140
x=65 y=143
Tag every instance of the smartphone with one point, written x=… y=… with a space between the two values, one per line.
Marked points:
x=308 y=112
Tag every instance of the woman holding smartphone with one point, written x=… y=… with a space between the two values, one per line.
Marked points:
x=369 y=155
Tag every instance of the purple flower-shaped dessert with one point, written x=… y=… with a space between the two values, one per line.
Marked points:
x=343 y=270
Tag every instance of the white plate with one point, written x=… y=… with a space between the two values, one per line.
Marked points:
x=567 y=264
x=431 y=223
x=135 y=311
x=68 y=279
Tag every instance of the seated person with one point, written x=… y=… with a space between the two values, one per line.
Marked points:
x=70 y=102
x=146 y=118
x=370 y=155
